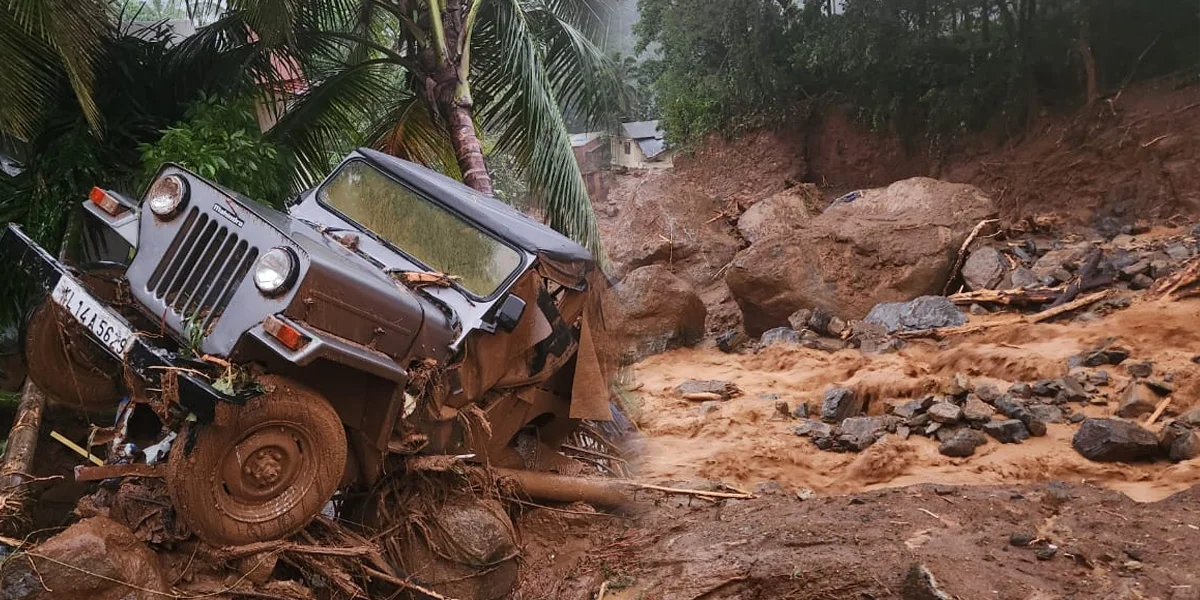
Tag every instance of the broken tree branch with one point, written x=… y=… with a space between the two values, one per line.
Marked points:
x=962 y=253
x=1158 y=411
x=700 y=493
x=1017 y=297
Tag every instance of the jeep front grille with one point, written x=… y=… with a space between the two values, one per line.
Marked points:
x=201 y=269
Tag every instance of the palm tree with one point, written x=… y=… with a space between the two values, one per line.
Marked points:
x=420 y=78
x=43 y=45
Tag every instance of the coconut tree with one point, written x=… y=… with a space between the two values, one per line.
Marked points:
x=422 y=78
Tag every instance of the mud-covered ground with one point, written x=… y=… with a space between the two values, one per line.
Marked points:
x=1105 y=545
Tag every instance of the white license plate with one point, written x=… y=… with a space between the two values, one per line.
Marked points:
x=108 y=328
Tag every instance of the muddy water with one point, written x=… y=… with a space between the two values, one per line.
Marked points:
x=741 y=442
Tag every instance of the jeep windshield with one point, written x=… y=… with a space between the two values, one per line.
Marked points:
x=432 y=235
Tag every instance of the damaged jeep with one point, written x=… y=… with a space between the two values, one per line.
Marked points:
x=260 y=361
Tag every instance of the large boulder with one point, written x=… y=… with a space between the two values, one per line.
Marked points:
x=85 y=561
x=926 y=312
x=887 y=244
x=781 y=214
x=652 y=310
x=1115 y=440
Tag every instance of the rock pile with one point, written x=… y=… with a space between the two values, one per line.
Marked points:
x=961 y=418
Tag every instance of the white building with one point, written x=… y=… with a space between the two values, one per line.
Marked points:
x=640 y=145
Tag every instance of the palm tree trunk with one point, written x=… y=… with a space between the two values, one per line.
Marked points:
x=467 y=148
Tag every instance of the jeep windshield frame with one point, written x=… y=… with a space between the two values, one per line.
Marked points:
x=423 y=239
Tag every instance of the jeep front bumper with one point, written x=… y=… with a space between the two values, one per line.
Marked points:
x=108 y=329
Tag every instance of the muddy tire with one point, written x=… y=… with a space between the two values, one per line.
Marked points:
x=67 y=365
x=262 y=471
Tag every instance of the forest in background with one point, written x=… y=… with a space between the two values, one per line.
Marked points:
x=929 y=70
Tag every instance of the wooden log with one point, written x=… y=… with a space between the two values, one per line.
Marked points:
x=1017 y=297
x=23 y=438
x=1045 y=315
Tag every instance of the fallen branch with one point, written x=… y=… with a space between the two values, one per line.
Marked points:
x=700 y=493
x=235 y=552
x=392 y=579
x=23 y=438
x=1173 y=286
x=1017 y=297
x=962 y=252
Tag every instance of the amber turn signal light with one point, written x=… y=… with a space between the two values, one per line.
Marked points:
x=286 y=334
x=106 y=202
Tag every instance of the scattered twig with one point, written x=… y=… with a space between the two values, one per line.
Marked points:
x=930 y=513
x=1158 y=411
x=1114 y=513
x=1156 y=140
x=603 y=590
x=392 y=579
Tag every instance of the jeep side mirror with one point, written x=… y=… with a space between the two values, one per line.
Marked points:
x=510 y=312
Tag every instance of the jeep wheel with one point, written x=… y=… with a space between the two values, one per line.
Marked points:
x=262 y=471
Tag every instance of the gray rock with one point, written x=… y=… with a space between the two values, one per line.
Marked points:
x=1190 y=418
x=976 y=410
x=903 y=432
x=919 y=421
x=1160 y=386
x=1045 y=387
x=724 y=389
x=1013 y=410
x=1061 y=275
x=840 y=403
x=769 y=488
x=1008 y=431
x=813 y=428
x=1160 y=267
x=1099 y=378
x=1178 y=252
x=1076 y=418
x=801 y=411
x=919 y=584
x=925 y=312
x=1072 y=390
x=1046 y=413
x=1114 y=440
x=932 y=428
x=1022 y=277
x=944 y=412
x=1020 y=390
x=708 y=407
x=799 y=319
x=836 y=326
x=1137 y=400
x=819 y=321
x=1140 y=369
x=908 y=410
x=864 y=428
x=1140 y=267
x=984 y=269
x=780 y=336
x=959 y=385
x=1141 y=282
x=1179 y=442
x=987 y=392
x=962 y=443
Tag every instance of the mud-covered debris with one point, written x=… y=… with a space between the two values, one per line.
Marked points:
x=732 y=341
x=780 y=336
x=1114 y=440
x=963 y=443
x=708 y=389
x=946 y=413
x=919 y=584
x=925 y=312
x=840 y=403
x=1007 y=431
x=1138 y=399
x=85 y=561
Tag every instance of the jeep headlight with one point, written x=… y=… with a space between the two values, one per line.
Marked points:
x=275 y=271
x=168 y=196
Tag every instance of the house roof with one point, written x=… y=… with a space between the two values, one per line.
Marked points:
x=640 y=130
x=581 y=139
x=651 y=147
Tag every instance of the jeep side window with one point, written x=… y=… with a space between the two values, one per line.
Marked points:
x=424 y=230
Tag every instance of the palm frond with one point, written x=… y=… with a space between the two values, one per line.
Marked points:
x=517 y=99
x=43 y=43
x=409 y=130
x=585 y=80
x=328 y=118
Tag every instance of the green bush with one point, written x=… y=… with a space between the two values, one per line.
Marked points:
x=221 y=141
